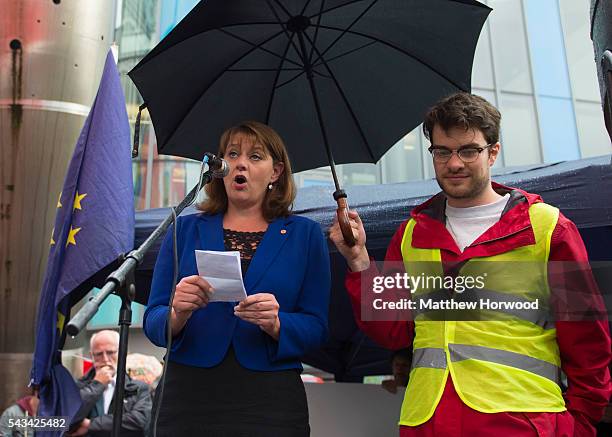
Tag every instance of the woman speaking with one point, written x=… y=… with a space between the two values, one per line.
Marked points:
x=234 y=368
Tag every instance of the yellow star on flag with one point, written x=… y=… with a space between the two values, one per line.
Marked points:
x=52 y=240
x=60 y=321
x=71 y=234
x=59 y=200
x=77 y=200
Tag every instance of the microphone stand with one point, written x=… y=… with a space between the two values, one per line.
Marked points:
x=121 y=282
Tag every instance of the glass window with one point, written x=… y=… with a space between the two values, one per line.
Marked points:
x=148 y=146
x=173 y=11
x=316 y=177
x=491 y=98
x=547 y=48
x=594 y=139
x=403 y=162
x=579 y=48
x=359 y=174
x=482 y=72
x=558 y=128
x=521 y=144
x=510 y=46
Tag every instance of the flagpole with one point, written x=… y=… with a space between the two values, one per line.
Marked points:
x=122 y=282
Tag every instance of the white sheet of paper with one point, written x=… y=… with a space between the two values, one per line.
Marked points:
x=223 y=271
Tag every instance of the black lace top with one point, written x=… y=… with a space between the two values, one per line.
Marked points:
x=244 y=242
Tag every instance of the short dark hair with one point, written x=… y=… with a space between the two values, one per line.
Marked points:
x=279 y=201
x=464 y=111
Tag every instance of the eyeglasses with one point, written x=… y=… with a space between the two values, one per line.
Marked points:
x=100 y=354
x=466 y=154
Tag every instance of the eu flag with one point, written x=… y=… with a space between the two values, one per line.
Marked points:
x=94 y=224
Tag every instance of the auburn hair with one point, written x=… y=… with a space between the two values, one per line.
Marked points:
x=278 y=202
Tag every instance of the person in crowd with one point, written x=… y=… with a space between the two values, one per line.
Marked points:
x=97 y=389
x=401 y=361
x=234 y=367
x=24 y=408
x=471 y=377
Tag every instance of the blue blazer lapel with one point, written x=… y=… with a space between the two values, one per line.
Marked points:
x=210 y=232
x=270 y=245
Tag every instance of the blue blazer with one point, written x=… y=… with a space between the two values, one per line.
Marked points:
x=291 y=262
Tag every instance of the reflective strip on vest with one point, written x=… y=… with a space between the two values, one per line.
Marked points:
x=436 y=358
x=433 y=358
x=460 y=352
x=541 y=316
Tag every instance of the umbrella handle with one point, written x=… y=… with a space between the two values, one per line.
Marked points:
x=345 y=224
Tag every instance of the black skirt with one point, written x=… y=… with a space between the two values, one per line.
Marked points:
x=230 y=401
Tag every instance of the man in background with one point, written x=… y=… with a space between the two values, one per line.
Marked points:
x=97 y=389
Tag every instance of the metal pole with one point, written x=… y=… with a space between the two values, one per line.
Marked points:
x=125 y=320
x=309 y=75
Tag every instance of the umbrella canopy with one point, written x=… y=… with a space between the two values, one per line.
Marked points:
x=351 y=75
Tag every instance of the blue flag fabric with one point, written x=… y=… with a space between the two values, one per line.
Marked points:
x=93 y=226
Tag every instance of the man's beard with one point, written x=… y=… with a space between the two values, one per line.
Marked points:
x=470 y=191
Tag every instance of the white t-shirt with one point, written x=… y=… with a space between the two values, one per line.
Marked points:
x=467 y=224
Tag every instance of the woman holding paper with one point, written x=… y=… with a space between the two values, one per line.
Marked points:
x=233 y=367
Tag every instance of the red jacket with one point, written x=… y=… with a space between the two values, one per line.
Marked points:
x=584 y=346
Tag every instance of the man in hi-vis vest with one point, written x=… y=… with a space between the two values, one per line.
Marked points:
x=501 y=368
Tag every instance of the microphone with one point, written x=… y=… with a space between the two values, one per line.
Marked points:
x=218 y=166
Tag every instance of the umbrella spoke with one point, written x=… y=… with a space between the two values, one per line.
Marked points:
x=282 y=84
x=348 y=3
x=282 y=25
x=289 y=14
x=276 y=77
x=263 y=69
x=306 y=6
x=217 y=77
x=258 y=46
x=345 y=100
x=316 y=34
x=346 y=53
x=343 y=31
x=298 y=76
x=399 y=49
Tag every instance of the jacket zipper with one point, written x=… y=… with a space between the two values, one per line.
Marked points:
x=500 y=238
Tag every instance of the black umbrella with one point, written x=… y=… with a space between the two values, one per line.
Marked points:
x=340 y=80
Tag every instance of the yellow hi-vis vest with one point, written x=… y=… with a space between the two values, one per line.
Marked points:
x=511 y=363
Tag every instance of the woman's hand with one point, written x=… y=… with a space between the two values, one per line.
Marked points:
x=261 y=309
x=192 y=293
